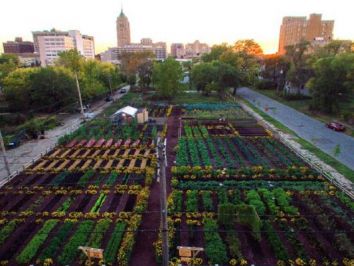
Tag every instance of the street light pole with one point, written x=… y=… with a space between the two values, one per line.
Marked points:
x=163 y=202
x=4 y=156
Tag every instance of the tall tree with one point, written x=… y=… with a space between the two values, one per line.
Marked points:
x=72 y=60
x=248 y=46
x=131 y=61
x=201 y=75
x=53 y=88
x=216 y=52
x=333 y=82
x=167 y=78
x=227 y=77
x=8 y=63
x=300 y=70
x=145 y=74
x=17 y=88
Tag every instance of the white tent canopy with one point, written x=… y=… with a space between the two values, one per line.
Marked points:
x=129 y=110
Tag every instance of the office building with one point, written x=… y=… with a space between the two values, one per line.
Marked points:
x=48 y=44
x=296 y=29
x=123 y=30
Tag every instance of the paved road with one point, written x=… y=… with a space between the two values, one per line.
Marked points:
x=32 y=149
x=306 y=127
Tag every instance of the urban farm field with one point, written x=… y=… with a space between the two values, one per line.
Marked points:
x=91 y=190
x=247 y=199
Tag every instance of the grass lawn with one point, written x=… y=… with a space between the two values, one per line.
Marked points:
x=341 y=168
x=302 y=106
x=195 y=97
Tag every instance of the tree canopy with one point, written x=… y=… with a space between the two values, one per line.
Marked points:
x=167 y=78
x=333 y=82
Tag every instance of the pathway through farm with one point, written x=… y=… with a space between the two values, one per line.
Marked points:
x=144 y=252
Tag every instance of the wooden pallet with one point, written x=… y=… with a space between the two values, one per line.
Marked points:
x=86 y=153
x=132 y=164
x=56 y=153
x=108 y=165
x=95 y=153
x=40 y=165
x=74 y=165
x=120 y=164
x=51 y=166
x=65 y=154
x=143 y=163
x=126 y=152
x=76 y=153
x=98 y=163
x=115 y=154
x=62 y=165
x=86 y=164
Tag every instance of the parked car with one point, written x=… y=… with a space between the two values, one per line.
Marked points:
x=109 y=98
x=336 y=126
x=123 y=91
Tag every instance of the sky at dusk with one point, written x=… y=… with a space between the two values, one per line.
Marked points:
x=171 y=21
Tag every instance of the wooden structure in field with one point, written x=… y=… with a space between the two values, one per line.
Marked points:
x=92 y=253
x=188 y=253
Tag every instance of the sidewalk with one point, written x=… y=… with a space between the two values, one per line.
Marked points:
x=33 y=149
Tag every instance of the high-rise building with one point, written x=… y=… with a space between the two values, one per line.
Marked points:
x=177 y=50
x=296 y=29
x=48 y=44
x=196 y=49
x=123 y=30
x=18 y=47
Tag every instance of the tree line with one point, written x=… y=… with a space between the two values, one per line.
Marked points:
x=53 y=88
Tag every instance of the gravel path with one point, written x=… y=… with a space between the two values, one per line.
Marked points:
x=306 y=127
x=30 y=150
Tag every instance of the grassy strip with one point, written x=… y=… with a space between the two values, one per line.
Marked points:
x=341 y=168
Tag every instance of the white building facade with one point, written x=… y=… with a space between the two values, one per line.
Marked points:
x=48 y=44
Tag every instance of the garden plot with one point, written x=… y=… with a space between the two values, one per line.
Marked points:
x=248 y=200
x=215 y=111
x=86 y=192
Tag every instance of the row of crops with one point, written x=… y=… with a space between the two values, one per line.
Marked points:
x=91 y=190
x=248 y=200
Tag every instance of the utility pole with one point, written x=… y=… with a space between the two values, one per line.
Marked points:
x=163 y=202
x=110 y=85
x=80 y=99
x=4 y=155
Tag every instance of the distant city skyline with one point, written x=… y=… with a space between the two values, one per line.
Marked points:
x=176 y=22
